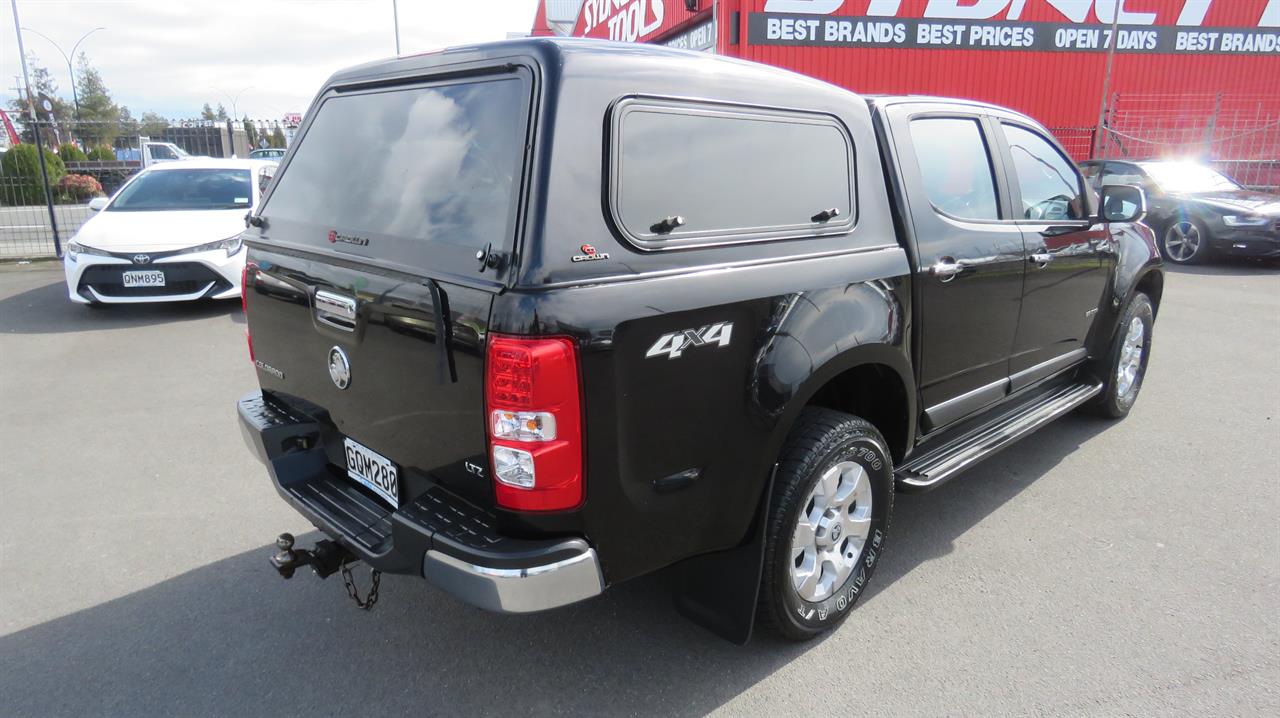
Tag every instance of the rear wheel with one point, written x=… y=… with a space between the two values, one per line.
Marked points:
x=1185 y=241
x=832 y=500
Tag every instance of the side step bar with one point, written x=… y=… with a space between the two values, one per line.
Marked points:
x=937 y=464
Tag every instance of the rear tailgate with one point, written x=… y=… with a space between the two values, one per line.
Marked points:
x=365 y=302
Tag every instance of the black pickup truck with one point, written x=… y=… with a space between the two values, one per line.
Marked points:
x=536 y=317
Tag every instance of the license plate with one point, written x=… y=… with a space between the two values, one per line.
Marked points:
x=374 y=471
x=150 y=278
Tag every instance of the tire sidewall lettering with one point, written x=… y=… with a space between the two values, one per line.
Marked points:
x=867 y=453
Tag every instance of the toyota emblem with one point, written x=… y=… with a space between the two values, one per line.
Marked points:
x=142 y=259
x=339 y=368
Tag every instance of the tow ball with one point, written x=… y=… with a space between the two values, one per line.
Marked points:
x=324 y=559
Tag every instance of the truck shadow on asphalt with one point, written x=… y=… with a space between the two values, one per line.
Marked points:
x=231 y=638
x=46 y=310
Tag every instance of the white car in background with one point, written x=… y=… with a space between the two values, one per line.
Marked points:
x=171 y=233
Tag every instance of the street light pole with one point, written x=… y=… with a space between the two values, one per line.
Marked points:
x=235 y=113
x=395 y=19
x=75 y=96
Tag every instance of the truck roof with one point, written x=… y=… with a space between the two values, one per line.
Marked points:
x=879 y=101
x=551 y=51
x=562 y=52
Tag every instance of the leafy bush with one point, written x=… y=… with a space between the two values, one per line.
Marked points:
x=79 y=187
x=70 y=153
x=21 y=170
x=102 y=153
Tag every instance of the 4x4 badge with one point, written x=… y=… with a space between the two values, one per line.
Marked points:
x=675 y=343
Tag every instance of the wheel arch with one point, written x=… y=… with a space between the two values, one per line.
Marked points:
x=1151 y=283
x=873 y=382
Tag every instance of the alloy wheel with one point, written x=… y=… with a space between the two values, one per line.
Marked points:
x=831 y=530
x=1182 y=241
x=1130 y=365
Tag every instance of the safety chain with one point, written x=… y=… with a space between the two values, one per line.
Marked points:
x=350 y=583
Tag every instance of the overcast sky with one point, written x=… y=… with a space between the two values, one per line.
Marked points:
x=167 y=56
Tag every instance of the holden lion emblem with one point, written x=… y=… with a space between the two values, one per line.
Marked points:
x=339 y=368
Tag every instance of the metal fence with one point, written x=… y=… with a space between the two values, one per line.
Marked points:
x=90 y=159
x=1077 y=141
x=1237 y=133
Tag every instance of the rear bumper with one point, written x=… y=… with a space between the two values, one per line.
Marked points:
x=437 y=535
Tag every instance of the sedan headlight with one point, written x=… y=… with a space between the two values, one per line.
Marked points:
x=230 y=244
x=1245 y=220
x=75 y=249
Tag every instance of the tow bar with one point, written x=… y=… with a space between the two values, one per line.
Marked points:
x=325 y=559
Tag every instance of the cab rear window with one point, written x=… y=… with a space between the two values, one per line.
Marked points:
x=410 y=175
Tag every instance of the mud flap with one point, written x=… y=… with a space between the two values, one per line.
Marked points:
x=719 y=591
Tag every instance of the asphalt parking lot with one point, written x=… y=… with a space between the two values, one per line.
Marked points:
x=1096 y=568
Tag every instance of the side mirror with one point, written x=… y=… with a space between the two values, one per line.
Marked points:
x=97 y=204
x=1122 y=203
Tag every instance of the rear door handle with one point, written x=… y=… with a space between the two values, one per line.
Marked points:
x=1041 y=258
x=946 y=268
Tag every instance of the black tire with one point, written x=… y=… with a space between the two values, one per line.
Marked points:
x=1112 y=403
x=1178 y=229
x=820 y=440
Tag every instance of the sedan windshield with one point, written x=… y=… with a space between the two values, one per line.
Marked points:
x=186 y=189
x=1188 y=177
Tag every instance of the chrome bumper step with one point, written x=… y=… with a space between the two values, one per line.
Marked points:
x=934 y=465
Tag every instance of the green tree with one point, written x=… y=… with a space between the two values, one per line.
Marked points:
x=152 y=125
x=207 y=113
x=21 y=162
x=250 y=133
x=99 y=115
x=128 y=125
x=70 y=153
x=277 y=137
x=102 y=153
x=221 y=114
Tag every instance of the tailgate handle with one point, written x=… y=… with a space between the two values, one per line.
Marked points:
x=336 y=310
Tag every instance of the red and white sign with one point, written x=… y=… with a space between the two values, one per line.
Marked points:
x=1131 y=12
x=635 y=20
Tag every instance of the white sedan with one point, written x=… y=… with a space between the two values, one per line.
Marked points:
x=171 y=233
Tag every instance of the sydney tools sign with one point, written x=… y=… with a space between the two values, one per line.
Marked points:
x=949 y=24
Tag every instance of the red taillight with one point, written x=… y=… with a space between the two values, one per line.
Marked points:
x=533 y=416
x=244 y=302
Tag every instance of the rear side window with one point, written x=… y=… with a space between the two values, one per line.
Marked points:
x=955 y=166
x=390 y=173
x=686 y=174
